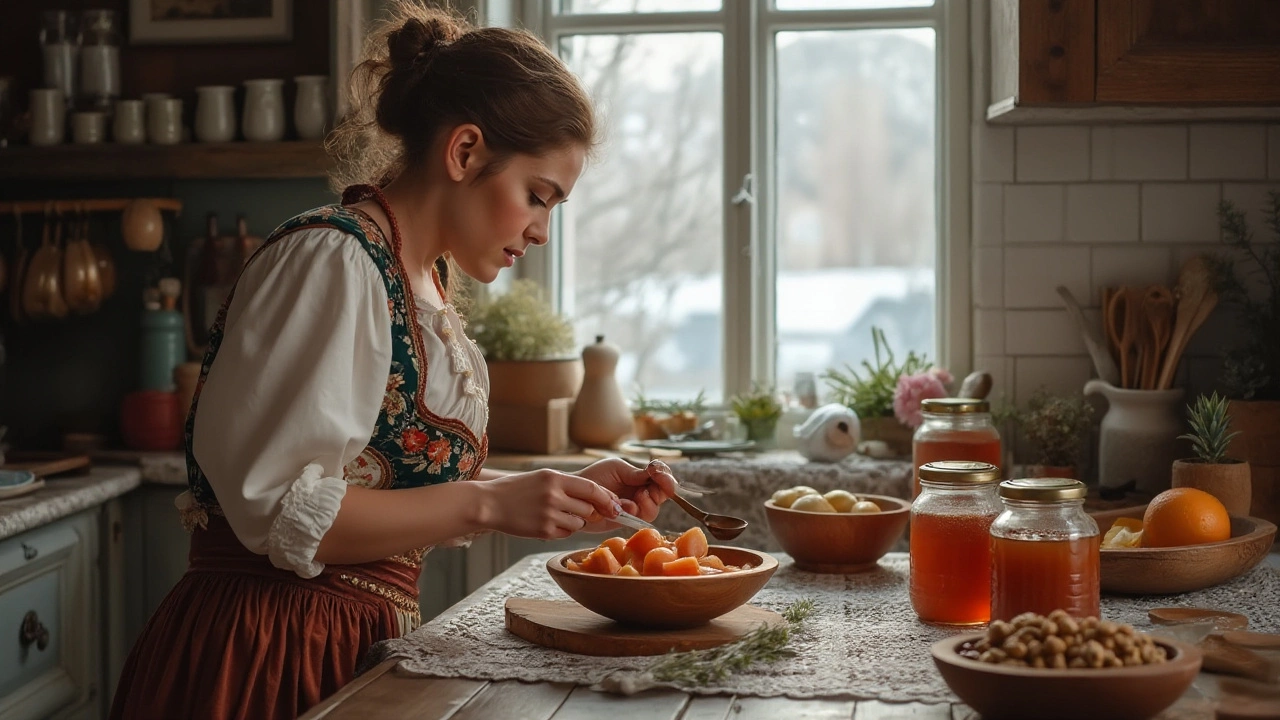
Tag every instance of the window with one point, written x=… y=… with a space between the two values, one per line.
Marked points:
x=772 y=184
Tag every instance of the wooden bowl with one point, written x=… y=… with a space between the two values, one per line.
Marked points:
x=1128 y=693
x=1162 y=571
x=665 y=602
x=839 y=542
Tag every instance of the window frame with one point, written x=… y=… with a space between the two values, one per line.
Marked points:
x=749 y=257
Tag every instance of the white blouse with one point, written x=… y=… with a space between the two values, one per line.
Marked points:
x=297 y=385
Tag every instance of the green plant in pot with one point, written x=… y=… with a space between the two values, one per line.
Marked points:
x=1248 y=284
x=1057 y=428
x=758 y=410
x=869 y=392
x=1211 y=470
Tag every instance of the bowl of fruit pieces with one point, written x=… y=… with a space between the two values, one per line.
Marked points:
x=1064 y=667
x=1183 y=540
x=657 y=582
x=838 y=532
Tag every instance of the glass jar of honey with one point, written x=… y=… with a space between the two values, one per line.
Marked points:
x=950 y=580
x=954 y=429
x=1044 y=550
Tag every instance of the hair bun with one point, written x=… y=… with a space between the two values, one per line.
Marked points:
x=418 y=40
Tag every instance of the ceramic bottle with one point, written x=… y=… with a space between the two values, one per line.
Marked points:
x=600 y=417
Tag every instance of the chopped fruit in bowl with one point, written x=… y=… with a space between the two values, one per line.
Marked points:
x=1124 y=533
x=648 y=554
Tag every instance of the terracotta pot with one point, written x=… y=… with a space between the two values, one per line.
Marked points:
x=1227 y=481
x=889 y=431
x=1051 y=471
x=533 y=382
x=1258 y=444
x=648 y=427
x=149 y=420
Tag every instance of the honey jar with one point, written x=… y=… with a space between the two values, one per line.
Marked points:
x=950 y=580
x=1044 y=550
x=954 y=429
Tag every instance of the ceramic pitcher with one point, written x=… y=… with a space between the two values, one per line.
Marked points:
x=1139 y=436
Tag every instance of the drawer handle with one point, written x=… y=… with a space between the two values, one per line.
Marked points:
x=33 y=631
x=29 y=552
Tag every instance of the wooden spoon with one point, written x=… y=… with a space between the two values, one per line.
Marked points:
x=1103 y=362
x=1221 y=619
x=1157 y=305
x=1196 y=299
x=976 y=385
x=1262 y=641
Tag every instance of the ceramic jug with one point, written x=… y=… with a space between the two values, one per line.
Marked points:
x=1138 y=439
x=600 y=417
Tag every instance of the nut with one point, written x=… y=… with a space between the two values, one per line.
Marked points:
x=1061 y=641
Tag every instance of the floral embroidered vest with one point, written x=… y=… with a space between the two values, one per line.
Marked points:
x=410 y=446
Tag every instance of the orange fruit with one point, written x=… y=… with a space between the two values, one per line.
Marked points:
x=1184 y=516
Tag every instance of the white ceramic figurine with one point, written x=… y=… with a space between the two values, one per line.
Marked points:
x=829 y=435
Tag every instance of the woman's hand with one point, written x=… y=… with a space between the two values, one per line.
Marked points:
x=543 y=504
x=641 y=490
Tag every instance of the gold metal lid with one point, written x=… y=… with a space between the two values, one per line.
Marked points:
x=1043 y=489
x=959 y=472
x=954 y=406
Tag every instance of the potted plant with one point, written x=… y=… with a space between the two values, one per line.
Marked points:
x=527 y=346
x=647 y=416
x=1057 y=427
x=1211 y=470
x=1251 y=371
x=870 y=393
x=758 y=410
x=660 y=419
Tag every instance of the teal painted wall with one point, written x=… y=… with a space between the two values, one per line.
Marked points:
x=70 y=375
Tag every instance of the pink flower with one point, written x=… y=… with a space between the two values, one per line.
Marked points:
x=941 y=374
x=914 y=388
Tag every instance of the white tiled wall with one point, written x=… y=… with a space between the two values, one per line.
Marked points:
x=1089 y=207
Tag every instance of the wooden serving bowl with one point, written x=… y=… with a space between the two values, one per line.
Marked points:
x=665 y=602
x=839 y=542
x=1128 y=693
x=1162 y=571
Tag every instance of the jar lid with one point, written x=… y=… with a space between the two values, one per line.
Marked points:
x=959 y=472
x=1043 y=489
x=954 y=406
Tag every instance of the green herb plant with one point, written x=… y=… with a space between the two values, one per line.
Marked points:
x=1057 y=426
x=765 y=644
x=520 y=325
x=759 y=404
x=1251 y=371
x=1209 y=423
x=869 y=393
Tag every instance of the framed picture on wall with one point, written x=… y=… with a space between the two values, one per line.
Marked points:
x=210 y=21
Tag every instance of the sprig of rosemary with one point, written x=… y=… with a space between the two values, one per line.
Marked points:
x=767 y=643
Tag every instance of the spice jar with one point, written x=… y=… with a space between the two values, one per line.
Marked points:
x=954 y=429
x=1044 y=550
x=950 y=580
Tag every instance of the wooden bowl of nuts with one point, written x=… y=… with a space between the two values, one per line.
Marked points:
x=1065 y=668
x=841 y=541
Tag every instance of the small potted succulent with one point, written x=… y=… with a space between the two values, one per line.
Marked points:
x=758 y=410
x=1227 y=479
x=1057 y=427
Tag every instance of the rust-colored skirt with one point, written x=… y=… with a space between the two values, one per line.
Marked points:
x=239 y=638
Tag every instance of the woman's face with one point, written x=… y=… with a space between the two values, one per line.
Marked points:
x=494 y=219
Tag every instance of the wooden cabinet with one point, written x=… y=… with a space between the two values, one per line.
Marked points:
x=50 y=664
x=1118 y=59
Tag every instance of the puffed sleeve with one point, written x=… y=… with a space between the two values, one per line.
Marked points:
x=294 y=392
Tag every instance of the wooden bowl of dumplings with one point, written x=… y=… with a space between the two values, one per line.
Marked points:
x=833 y=533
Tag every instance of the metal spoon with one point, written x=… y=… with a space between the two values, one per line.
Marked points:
x=721 y=527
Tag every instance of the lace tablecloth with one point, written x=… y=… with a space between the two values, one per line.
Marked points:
x=744 y=483
x=863 y=641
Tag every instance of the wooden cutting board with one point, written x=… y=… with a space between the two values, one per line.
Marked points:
x=566 y=625
x=47 y=465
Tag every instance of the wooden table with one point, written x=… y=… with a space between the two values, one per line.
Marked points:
x=385 y=692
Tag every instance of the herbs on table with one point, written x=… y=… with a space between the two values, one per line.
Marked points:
x=1209 y=424
x=759 y=404
x=1057 y=426
x=765 y=644
x=520 y=324
x=1251 y=371
x=869 y=392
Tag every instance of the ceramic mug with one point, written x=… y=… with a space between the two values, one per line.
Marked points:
x=215 y=113
x=88 y=128
x=164 y=121
x=48 y=116
x=130 y=125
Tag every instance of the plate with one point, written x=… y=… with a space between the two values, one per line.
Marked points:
x=12 y=479
x=697 y=447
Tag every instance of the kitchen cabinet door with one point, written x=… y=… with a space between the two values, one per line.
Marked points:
x=1188 y=51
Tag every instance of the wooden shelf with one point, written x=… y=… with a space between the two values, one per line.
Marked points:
x=297 y=159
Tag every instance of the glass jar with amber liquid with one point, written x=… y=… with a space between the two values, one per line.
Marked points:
x=1044 y=550
x=950 y=581
x=954 y=429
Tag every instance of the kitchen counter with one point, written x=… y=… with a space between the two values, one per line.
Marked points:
x=63 y=496
x=157 y=468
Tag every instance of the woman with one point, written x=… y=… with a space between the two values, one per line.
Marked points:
x=339 y=370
